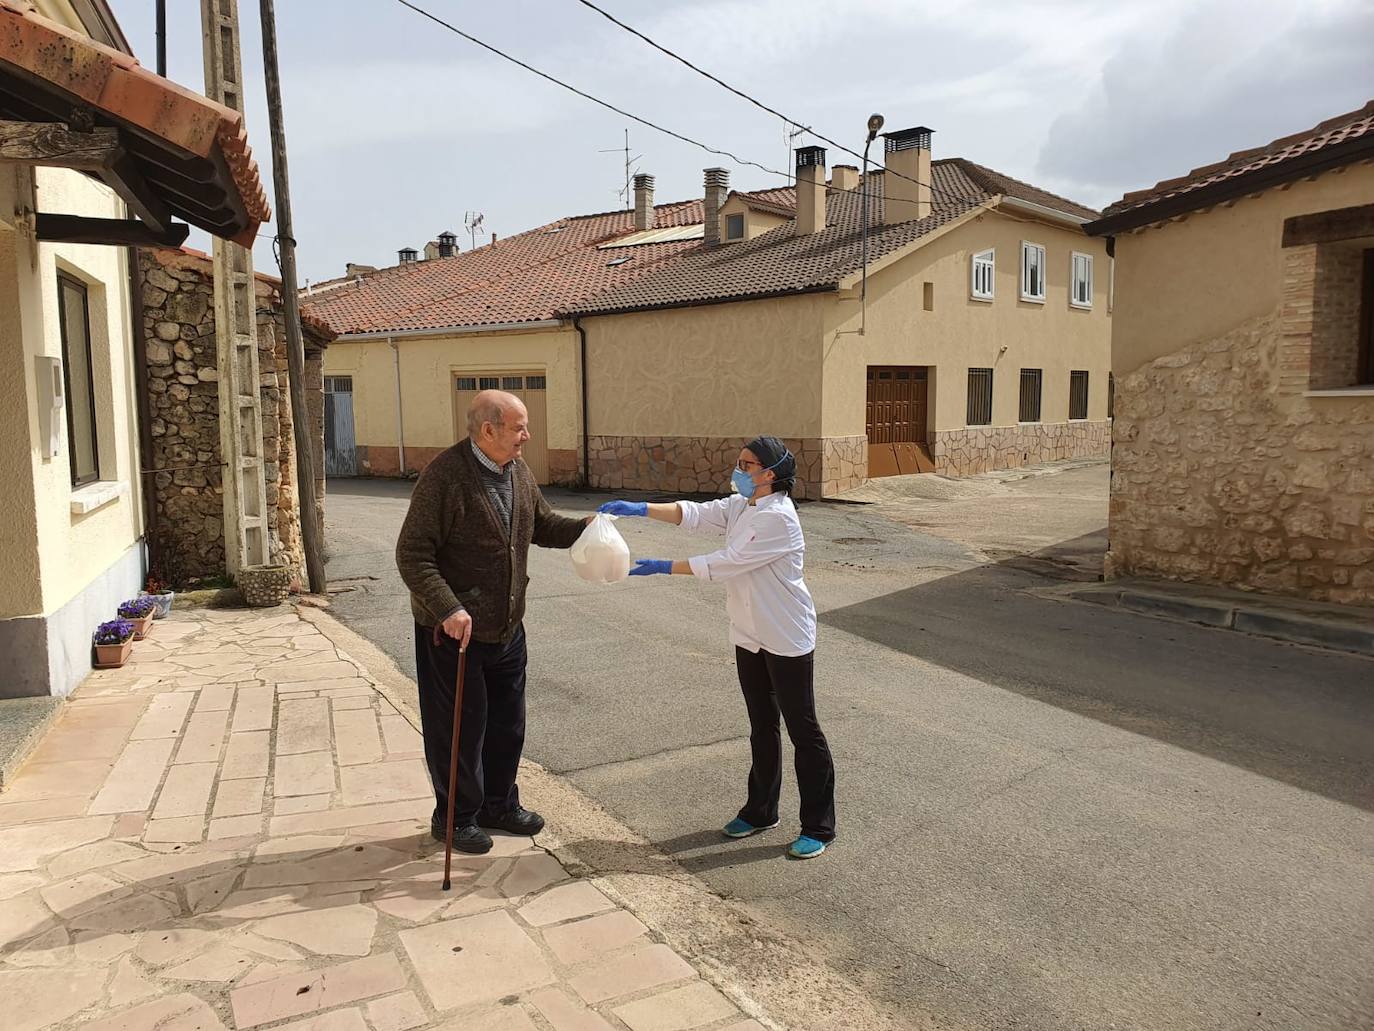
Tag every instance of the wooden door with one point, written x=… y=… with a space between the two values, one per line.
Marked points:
x=897 y=411
x=531 y=388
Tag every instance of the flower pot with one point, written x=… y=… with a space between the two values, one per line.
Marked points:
x=164 y=604
x=142 y=627
x=112 y=656
x=265 y=586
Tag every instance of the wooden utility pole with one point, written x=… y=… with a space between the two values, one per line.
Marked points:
x=243 y=476
x=295 y=345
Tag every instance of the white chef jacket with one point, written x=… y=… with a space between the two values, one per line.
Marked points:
x=761 y=566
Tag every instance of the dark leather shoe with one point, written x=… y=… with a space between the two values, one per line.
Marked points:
x=470 y=839
x=513 y=821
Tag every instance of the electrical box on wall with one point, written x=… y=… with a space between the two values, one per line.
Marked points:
x=52 y=395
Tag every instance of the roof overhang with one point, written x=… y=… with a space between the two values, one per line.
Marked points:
x=856 y=277
x=449 y=331
x=1303 y=166
x=68 y=101
x=1043 y=212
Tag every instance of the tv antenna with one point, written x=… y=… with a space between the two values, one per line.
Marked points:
x=789 y=140
x=472 y=221
x=625 y=194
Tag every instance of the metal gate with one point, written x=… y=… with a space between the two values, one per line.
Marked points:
x=895 y=420
x=340 y=445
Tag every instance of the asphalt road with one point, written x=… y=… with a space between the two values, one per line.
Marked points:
x=1051 y=815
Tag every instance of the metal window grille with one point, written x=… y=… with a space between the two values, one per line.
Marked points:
x=1031 y=382
x=338 y=384
x=489 y=383
x=1078 y=394
x=467 y=382
x=1111 y=396
x=984 y=269
x=979 y=397
x=78 y=372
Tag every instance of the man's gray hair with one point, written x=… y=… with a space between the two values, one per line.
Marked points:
x=486 y=408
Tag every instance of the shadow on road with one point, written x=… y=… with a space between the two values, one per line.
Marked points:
x=1300 y=716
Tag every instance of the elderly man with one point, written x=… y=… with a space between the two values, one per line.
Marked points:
x=462 y=552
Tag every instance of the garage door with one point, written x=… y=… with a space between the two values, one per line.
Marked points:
x=530 y=387
x=895 y=420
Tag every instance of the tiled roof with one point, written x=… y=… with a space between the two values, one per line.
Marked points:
x=782 y=262
x=178 y=139
x=558 y=269
x=1336 y=141
x=181 y=257
x=524 y=278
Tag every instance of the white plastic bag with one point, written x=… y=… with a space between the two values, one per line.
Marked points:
x=601 y=554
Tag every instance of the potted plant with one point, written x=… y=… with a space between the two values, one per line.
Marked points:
x=113 y=641
x=139 y=611
x=162 y=594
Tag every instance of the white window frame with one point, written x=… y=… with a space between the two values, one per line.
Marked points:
x=1074 y=280
x=1027 y=248
x=983 y=261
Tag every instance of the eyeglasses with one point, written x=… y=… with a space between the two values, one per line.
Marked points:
x=743 y=464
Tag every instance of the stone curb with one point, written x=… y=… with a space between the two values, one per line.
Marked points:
x=759 y=969
x=1293 y=627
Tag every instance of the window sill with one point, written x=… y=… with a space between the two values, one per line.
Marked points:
x=87 y=499
x=984 y=300
x=1032 y=300
x=1080 y=307
x=1362 y=391
x=1037 y=422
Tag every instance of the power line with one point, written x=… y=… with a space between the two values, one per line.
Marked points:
x=653 y=125
x=745 y=96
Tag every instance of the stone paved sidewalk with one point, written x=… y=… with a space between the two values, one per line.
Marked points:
x=232 y=832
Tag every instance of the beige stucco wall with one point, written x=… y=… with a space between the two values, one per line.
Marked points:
x=72 y=549
x=724 y=370
x=962 y=333
x=1198 y=279
x=1226 y=469
x=427 y=368
x=756 y=222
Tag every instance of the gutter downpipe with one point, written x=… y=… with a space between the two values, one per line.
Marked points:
x=586 y=430
x=400 y=418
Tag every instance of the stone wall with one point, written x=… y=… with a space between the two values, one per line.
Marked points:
x=183 y=401
x=1225 y=470
x=702 y=465
x=981 y=449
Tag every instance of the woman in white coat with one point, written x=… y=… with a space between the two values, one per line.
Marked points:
x=773 y=629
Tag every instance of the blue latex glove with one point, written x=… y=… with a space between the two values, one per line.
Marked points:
x=624 y=508
x=651 y=567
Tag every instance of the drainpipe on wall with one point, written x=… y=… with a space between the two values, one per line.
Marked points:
x=400 y=420
x=147 y=481
x=586 y=431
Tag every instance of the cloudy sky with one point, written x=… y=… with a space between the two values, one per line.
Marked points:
x=397 y=128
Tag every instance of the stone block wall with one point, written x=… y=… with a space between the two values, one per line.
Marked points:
x=826 y=466
x=1224 y=470
x=183 y=401
x=981 y=449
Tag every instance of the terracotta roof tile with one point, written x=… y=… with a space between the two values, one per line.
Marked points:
x=1343 y=129
x=160 y=113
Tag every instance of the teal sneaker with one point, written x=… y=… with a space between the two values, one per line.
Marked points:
x=738 y=828
x=806 y=848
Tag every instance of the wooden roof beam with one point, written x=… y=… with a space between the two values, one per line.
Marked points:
x=58 y=146
x=116 y=232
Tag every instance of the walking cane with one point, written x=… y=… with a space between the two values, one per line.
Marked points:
x=453 y=757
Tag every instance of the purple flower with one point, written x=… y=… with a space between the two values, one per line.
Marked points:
x=116 y=631
x=136 y=608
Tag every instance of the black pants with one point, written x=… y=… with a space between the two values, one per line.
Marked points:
x=493 y=731
x=772 y=683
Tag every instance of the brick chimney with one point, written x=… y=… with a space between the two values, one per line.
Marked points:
x=907 y=155
x=717 y=189
x=844 y=177
x=810 y=190
x=644 y=202
x=431 y=250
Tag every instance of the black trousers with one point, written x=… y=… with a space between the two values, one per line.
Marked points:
x=772 y=683
x=493 y=732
